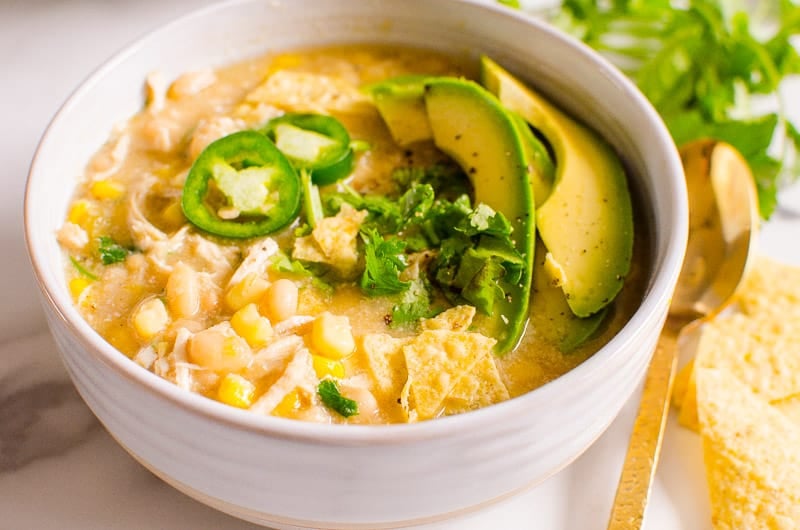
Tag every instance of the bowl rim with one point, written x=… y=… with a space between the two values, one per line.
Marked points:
x=658 y=295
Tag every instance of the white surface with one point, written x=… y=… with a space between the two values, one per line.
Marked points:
x=69 y=473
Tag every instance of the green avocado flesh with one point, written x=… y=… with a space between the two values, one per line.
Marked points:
x=551 y=316
x=470 y=125
x=586 y=222
x=401 y=104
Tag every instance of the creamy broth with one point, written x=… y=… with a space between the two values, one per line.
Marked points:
x=172 y=282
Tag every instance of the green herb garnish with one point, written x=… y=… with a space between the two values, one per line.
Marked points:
x=415 y=303
x=81 y=269
x=384 y=261
x=702 y=66
x=329 y=393
x=110 y=251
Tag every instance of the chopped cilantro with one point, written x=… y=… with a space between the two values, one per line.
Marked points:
x=384 y=261
x=329 y=393
x=415 y=303
x=110 y=251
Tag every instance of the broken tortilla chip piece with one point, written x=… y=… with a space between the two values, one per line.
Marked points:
x=457 y=318
x=771 y=289
x=386 y=363
x=436 y=361
x=752 y=455
x=480 y=387
x=790 y=407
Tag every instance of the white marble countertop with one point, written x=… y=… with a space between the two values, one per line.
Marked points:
x=60 y=470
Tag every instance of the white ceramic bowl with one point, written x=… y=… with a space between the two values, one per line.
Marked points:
x=292 y=474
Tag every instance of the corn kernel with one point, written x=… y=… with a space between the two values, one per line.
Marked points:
x=106 y=189
x=236 y=391
x=150 y=318
x=80 y=214
x=249 y=290
x=251 y=326
x=288 y=405
x=327 y=367
x=78 y=285
x=332 y=336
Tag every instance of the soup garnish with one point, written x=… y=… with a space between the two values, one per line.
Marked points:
x=350 y=235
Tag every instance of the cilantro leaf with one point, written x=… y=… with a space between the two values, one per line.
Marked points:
x=110 y=251
x=384 y=261
x=329 y=393
x=415 y=303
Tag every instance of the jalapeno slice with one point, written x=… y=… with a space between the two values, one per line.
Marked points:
x=319 y=144
x=241 y=186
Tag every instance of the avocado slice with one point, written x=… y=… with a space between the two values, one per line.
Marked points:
x=587 y=221
x=401 y=104
x=541 y=169
x=471 y=126
x=551 y=316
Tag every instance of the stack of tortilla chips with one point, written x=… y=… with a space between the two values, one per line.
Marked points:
x=742 y=393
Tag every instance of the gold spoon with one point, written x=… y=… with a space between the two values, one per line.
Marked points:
x=723 y=221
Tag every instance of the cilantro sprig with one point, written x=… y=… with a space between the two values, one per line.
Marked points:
x=110 y=251
x=704 y=66
x=329 y=393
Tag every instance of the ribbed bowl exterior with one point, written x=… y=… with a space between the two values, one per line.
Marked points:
x=290 y=474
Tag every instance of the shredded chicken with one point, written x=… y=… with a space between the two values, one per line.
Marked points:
x=144 y=233
x=73 y=237
x=256 y=261
x=190 y=83
x=210 y=130
x=109 y=162
x=274 y=357
x=296 y=325
x=155 y=86
x=299 y=373
x=183 y=372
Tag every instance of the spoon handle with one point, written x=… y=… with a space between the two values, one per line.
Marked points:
x=639 y=467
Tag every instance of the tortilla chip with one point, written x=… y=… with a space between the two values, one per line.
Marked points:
x=386 y=363
x=333 y=241
x=758 y=351
x=436 y=361
x=457 y=318
x=789 y=406
x=295 y=91
x=771 y=288
x=480 y=387
x=752 y=455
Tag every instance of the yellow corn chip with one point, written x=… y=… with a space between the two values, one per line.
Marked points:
x=386 y=363
x=789 y=406
x=436 y=361
x=306 y=92
x=333 y=241
x=752 y=455
x=771 y=288
x=478 y=388
x=457 y=318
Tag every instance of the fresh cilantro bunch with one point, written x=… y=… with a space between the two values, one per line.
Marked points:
x=701 y=65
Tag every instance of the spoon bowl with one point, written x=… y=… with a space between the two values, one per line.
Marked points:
x=723 y=223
